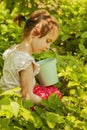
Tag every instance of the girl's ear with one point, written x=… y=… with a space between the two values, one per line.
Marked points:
x=36 y=31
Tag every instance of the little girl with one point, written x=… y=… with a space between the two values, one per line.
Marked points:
x=40 y=31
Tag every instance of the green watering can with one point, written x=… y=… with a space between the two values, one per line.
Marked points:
x=48 y=72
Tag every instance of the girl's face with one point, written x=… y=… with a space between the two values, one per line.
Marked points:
x=42 y=44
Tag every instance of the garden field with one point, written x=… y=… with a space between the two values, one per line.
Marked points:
x=70 y=50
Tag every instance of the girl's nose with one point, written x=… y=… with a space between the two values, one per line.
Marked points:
x=48 y=47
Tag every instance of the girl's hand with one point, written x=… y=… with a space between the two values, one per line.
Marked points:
x=36 y=99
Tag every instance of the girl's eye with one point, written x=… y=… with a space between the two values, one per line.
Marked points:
x=49 y=40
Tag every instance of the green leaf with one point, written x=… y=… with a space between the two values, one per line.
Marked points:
x=71 y=118
x=37 y=123
x=39 y=110
x=84 y=113
x=45 y=128
x=30 y=126
x=31 y=117
x=15 y=128
x=73 y=83
x=54 y=102
x=4 y=124
x=6 y=111
x=84 y=35
x=15 y=108
x=11 y=92
x=69 y=122
x=45 y=103
x=52 y=117
x=72 y=92
x=51 y=124
x=4 y=101
x=26 y=114
x=65 y=37
x=27 y=104
x=83 y=49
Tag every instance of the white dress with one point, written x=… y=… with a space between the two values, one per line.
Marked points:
x=15 y=61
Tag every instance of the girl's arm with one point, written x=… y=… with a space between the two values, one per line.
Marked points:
x=27 y=85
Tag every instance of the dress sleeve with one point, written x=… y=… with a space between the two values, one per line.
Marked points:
x=8 y=51
x=21 y=62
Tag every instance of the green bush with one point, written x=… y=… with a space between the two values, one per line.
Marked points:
x=70 y=50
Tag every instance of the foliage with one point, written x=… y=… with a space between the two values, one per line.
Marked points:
x=72 y=17
x=68 y=113
x=70 y=50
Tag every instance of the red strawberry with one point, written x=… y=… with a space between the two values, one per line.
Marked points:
x=32 y=108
